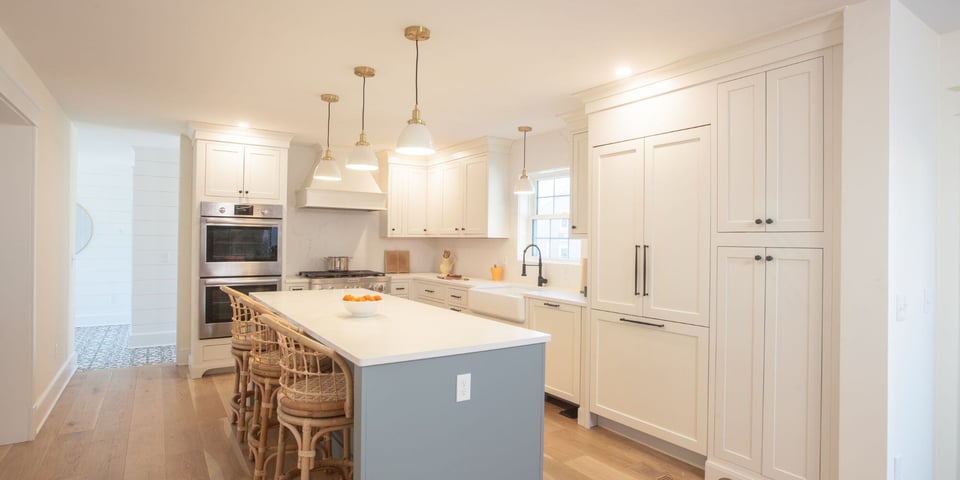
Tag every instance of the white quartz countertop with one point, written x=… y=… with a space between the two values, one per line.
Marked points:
x=402 y=330
x=529 y=291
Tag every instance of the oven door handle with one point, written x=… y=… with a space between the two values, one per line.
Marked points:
x=240 y=222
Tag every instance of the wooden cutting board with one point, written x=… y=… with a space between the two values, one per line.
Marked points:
x=396 y=261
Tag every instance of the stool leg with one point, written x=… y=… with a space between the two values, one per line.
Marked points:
x=266 y=407
x=281 y=452
x=244 y=384
x=254 y=418
x=305 y=457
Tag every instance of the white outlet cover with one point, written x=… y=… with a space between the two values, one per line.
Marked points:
x=463 y=387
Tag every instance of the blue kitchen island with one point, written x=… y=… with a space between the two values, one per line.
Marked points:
x=407 y=359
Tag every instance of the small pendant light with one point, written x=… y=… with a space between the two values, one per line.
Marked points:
x=326 y=167
x=362 y=157
x=415 y=138
x=524 y=186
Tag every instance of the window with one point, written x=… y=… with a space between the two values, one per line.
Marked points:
x=547 y=219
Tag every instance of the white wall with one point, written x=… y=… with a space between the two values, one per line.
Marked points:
x=105 y=189
x=863 y=243
x=155 y=209
x=891 y=125
x=947 y=347
x=54 y=193
x=914 y=132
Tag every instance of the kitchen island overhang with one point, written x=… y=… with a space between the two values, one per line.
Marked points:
x=408 y=423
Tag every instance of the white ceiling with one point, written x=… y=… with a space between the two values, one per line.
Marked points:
x=490 y=66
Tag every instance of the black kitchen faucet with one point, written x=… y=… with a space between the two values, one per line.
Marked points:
x=523 y=259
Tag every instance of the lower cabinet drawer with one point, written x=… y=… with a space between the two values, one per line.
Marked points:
x=211 y=353
x=651 y=375
x=457 y=297
x=425 y=291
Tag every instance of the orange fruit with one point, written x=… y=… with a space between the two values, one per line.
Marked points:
x=377 y=297
x=348 y=298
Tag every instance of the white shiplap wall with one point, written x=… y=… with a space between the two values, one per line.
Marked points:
x=105 y=189
x=154 y=272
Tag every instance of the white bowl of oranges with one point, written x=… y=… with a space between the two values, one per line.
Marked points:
x=362 y=305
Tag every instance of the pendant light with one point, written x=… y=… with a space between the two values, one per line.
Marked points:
x=524 y=186
x=326 y=168
x=415 y=138
x=362 y=157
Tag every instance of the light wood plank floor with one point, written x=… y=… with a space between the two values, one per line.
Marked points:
x=154 y=423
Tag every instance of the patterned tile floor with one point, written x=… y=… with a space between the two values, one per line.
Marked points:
x=106 y=347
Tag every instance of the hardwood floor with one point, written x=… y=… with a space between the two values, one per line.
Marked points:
x=153 y=422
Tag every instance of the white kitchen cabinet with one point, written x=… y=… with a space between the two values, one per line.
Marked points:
x=768 y=360
x=406 y=201
x=562 y=321
x=580 y=186
x=451 y=197
x=463 y=202
x=240 y=172
x=651 y=376
x=770 y=151
x=617 y=219
x=475 y=195
x=400 y=288
x=651 y=213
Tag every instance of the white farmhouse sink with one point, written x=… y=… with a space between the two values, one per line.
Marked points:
x=500 y=302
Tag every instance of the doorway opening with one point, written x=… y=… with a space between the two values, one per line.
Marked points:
x=126 y=255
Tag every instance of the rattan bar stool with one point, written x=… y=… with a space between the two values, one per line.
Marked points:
x=241 y=329
x=315 y=400
x=265 y=374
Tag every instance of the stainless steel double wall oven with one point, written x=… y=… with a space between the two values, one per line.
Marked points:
x=240 y=248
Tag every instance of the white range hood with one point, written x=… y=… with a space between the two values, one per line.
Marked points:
x=357 y=190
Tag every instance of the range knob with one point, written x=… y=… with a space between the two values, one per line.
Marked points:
x=264 y=212
x=222 y=210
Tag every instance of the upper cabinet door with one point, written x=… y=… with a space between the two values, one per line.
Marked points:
x=396 y=200
x=580 y=187
x=223 y=172
x=261 y=173
x=415 y=203
x=617 y=247
x=475 y=204
x=451 y=198
x=741 y=176
x=792 y=353
x=675 y=271
x=795 y=148
x=434 y=200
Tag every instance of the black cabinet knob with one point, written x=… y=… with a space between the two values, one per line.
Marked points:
x=239 y=191
x=769 y=258
x=769 y=221
x=758 y=221
x=393 y=229
x=424 y=229
x=574 y=227
x=757 y=257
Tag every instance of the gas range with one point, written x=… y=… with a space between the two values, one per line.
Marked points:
x=329 y=280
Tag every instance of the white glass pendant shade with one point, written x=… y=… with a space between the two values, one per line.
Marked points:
x=363 y=158
x=415 y=139
x=327 y=169
x=523 y=185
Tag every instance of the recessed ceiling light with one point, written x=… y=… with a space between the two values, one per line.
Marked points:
x=243 y=124
x=623 y=71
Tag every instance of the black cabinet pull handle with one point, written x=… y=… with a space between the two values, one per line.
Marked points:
x=645 y=293
x=554 y=305
x=638 y=322
x=636 y=272
x=458 y=297
x=399 y=289
x=455 y=309
x=769 y=221
x=429 y=291
x=758 y=221
x=757 y=257
x=769 y=258
x=574 y=227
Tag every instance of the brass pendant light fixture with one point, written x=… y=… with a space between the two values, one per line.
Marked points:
x=524 y=186
x=362 y=157
x=415 y=138
x=326 y=167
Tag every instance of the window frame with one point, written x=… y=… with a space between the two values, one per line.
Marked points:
x=528 y=214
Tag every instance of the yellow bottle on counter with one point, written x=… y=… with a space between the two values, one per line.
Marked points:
x=496 y=273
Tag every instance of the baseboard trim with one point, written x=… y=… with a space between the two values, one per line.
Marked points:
x=153 y=339
x=49 y=397
x=686 y=456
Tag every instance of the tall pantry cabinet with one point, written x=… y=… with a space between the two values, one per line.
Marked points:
x=769 y=275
